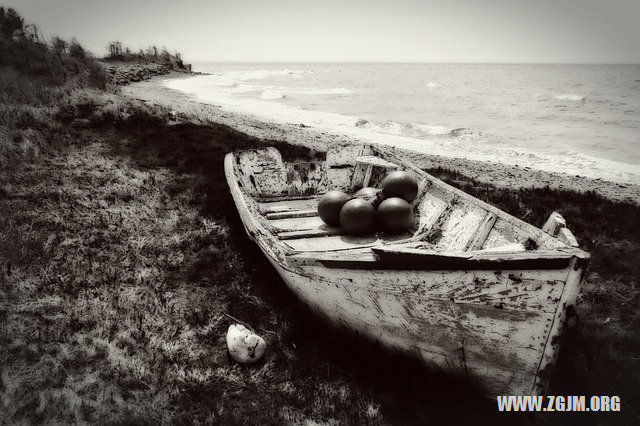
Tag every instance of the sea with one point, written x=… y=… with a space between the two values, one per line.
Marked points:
x=572 y=118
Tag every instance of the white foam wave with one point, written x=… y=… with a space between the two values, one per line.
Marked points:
x=332 y=91
x=245 y=88
x=240 y=82
x=465 y=134
x=432 y=130
x=571 y=98
x=262 y=74
x=418 y=130
x=271 y=95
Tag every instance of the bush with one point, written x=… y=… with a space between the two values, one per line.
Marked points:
x=77 y=51
x=61 y=64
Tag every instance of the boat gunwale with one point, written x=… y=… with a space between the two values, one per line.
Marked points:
x=270 y=233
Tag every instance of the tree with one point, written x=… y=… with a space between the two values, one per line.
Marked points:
x=59 y=45
x=165 y=56
x=10 y=23
x=115 y=50
x=77 y=51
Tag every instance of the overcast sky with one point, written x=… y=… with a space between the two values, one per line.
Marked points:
x=347 y=30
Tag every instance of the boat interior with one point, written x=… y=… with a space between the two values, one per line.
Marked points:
x=284 y=198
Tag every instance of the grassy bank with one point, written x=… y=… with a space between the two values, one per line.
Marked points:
x=122 y=258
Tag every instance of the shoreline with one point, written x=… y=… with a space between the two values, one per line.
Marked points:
x=500 y=175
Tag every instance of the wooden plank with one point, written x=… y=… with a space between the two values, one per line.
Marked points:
x=277 y=209
x=342 y=154
x=343 y=246
x=308 y=233
x=566 y=236
x=483 y=232
x=367 y=176
x=291 y=214
x=431 y=208
x=288 y=204
x=504 y=232
x=389 y=258
x=340 y=178
x=568 y=299
x=297 y=223
x=357 y=177
x=523 y=289
x=460 y=226
x=389 y=252
x=285 y=198
x=400 y=250
x=363 y=169
x=373 y=160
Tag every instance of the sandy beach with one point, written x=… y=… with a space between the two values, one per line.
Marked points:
x=155 y=92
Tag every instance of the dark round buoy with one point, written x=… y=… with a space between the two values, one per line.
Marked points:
x=330 y=205
x=395 y=215
x=400 y=184
x=368 y=194
x=358 y=217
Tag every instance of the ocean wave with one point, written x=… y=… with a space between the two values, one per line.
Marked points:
x=238 y=82
x=571 y=98
x=416 y=130
x=262 y=74
x=244 y=88
x=431 y=130
x=419 y=130
x=269 y=95
x=465 y=134
x=311 y=92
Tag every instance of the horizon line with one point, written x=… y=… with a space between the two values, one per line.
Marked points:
x=410 y=62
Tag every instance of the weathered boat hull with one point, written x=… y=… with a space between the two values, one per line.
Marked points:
x=500 y=349
x=498 y=326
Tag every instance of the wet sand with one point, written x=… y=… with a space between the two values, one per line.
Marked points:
x=188 y=109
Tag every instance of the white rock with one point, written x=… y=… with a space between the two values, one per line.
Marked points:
x=244 y=345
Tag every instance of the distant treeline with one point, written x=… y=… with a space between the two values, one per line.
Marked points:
x=118 y=52
x=56 y=61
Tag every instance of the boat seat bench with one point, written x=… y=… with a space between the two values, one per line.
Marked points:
x=279 y=205
x=400 y=258
x=292 y=214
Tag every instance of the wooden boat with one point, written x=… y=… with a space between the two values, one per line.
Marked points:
x=470 y=289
